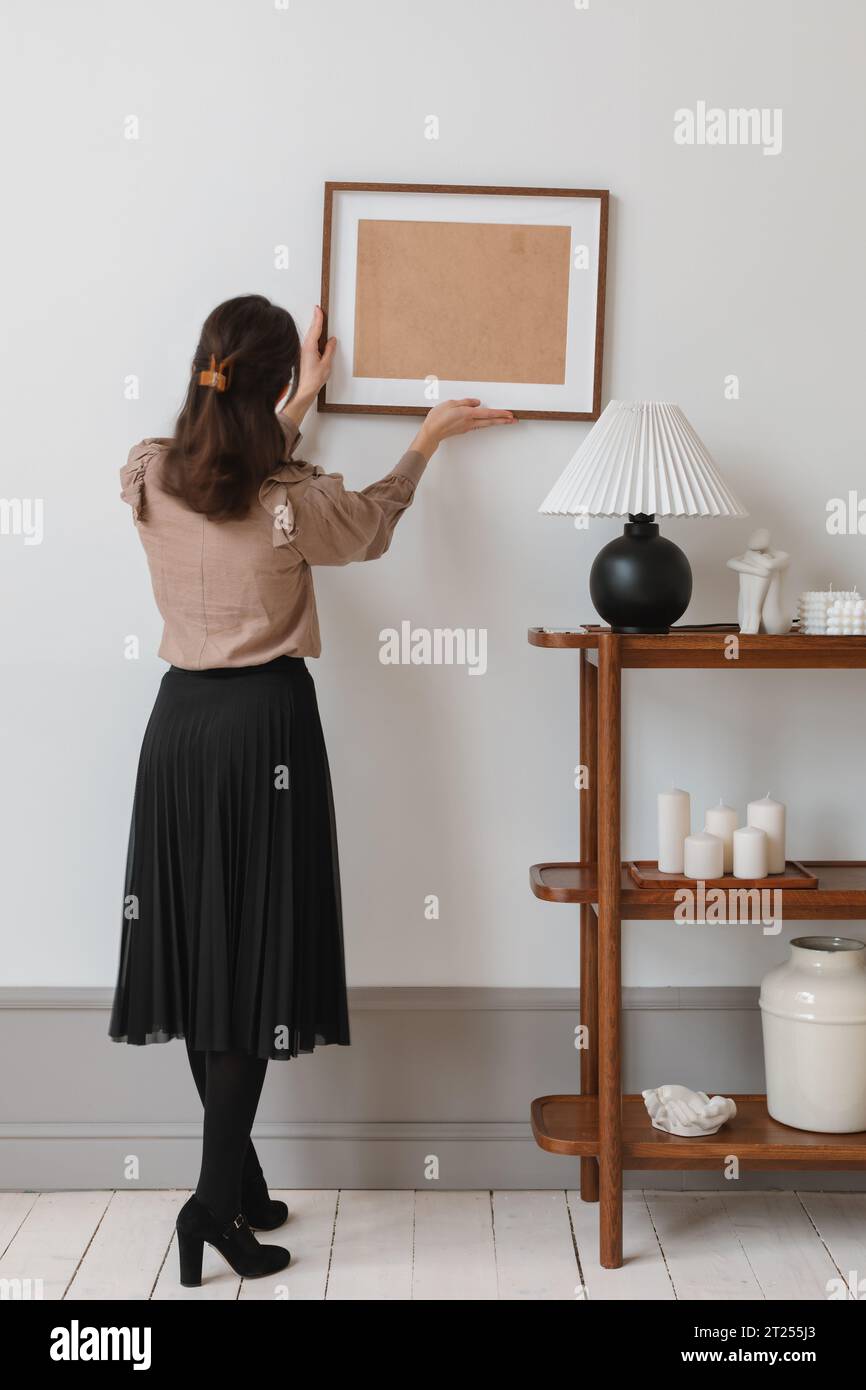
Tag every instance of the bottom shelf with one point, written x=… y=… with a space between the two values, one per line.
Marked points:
x=569 y=1125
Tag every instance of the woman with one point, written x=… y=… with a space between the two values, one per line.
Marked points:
x=232 y=933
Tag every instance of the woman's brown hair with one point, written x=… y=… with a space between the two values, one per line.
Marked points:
x=228 y=440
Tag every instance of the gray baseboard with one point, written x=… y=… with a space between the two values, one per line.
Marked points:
x=431 y=1073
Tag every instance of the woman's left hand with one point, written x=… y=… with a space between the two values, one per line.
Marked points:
x=314 y=368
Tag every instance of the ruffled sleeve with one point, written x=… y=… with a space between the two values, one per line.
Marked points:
x=279 y=488
x=278 y=495
x=132 y=476
x=336 y=527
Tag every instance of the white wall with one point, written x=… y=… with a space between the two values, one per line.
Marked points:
x=722 y=261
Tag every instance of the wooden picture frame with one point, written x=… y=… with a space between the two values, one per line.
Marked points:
x=392 y=246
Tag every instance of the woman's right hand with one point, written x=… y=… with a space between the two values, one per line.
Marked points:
x=314 y=368
x=456 y=417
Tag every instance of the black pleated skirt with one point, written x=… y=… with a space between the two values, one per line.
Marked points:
x=232 y=932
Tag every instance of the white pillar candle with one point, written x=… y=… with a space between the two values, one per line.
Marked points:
x=751 y=849
x=769 y=815
x=721 y=820
x=675 y=822
x=703 y=856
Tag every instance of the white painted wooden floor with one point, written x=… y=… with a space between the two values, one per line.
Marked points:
x=451 y=1245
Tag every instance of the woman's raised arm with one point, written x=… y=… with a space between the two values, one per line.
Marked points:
x=334 y=526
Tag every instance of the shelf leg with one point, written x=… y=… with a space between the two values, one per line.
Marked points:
x=588 y=930
x=609 y=967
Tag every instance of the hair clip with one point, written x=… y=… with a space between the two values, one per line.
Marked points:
x=216 y=376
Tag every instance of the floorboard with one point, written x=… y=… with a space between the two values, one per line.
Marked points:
x=129 y=1247
x=701 y=1248
x=839 y=1219
x=455 y=1257
x=644 y=1274
x=535 y=1254
x=372 y=1253
x=778 y=1240
x=307 y=1234
x=52 y=1240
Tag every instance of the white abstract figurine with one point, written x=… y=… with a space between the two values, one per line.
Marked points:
x=690 y=1114
x=761 y=570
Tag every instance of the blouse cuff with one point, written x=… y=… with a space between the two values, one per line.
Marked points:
x=411 y=466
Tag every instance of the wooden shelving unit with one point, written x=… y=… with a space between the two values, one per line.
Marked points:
x=608 y=1131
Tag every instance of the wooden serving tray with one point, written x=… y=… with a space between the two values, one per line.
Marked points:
x=647 y=874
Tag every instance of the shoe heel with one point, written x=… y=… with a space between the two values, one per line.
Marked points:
x=190 y=1249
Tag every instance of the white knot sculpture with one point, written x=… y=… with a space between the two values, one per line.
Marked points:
x=761 y=607
x=690 y=1114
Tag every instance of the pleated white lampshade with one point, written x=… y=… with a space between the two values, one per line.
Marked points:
x=641 y=457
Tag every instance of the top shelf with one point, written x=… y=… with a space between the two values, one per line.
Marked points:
x=710 y=647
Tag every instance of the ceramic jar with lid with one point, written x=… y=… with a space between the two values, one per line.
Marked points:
x=813 y=1013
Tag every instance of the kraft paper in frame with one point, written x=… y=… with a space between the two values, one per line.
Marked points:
x=462 y=301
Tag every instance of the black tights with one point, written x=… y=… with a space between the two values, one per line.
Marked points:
x=229 y=1084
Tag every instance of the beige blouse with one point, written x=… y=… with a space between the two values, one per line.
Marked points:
x=240 y=592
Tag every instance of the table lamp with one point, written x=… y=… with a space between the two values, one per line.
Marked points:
x=641 y=459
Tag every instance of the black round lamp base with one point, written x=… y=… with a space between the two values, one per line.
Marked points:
x=641 y=631
x=641 y=582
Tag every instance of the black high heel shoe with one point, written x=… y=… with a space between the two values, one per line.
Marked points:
x=235 y=1242
x=262 y=1213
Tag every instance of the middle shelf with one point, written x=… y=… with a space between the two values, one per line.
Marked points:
x=840 y=895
